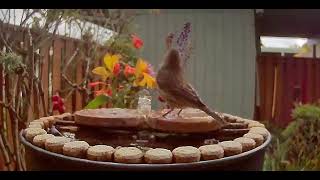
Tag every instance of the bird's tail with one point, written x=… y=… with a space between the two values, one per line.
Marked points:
x=213 y=114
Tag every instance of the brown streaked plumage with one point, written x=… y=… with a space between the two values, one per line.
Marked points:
x=174 y=89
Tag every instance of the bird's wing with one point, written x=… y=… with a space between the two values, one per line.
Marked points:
x=185 y=93
x=191 y=89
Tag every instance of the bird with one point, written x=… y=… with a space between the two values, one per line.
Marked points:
x=53 y=130
x=173 y=87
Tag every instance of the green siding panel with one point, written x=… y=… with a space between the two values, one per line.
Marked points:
x=222 y=67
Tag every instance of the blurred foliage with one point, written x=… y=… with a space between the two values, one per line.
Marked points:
x=307 y=111
x=123 y=73
x=297 y=146
x=122 y=44
x=12 y=63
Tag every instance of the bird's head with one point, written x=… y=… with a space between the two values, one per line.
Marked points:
x=169 y=39
x=173 y=60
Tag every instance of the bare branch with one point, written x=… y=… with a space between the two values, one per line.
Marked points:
x=14 y=16
x=46 y=32
x=23 y=12
x=6 y=144
x=28 y=16
x=73 y=85
x=48 y=39
x=17 y=143
x=88 y=61
x=5 y=153
x=6 y=44
x=70 y=60
x=42 y=98
x=30 y=37
x=5 y=16
x=10 y=108
x=9 y=18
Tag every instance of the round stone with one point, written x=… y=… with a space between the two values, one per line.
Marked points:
x=247 y=143
x=56 y=144
x=255 y=124
x=100 y=153
x=158 y=156
x=210 y=152
x=35 y=125
x=30 y=133
x=259 y=130
x=130 y=155
x=258 y=138
x=39 y=140
x=231 y=148
x=76 y=149
x=186 y=154
x=37 y=122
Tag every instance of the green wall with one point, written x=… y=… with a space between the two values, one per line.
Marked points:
x=222 y=67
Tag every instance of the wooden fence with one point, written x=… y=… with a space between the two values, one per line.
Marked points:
x=48 y=66
x=52 y=78
x=284 y=81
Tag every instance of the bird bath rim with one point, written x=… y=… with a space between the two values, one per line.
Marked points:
x=145 y=166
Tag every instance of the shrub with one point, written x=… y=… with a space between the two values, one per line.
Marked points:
x=297 y=146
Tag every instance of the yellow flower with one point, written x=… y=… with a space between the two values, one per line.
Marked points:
x=106 y=71
x=111 y=60
x=143 y=78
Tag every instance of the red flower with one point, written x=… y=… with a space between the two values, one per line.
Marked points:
x=128 y=70
x=109 y=92
x=58 y=104
x=62 y=109
x=94 y=84
x=55 y=98
x=55 y=105
x=137 y=42
x=116 y=69
x=106 y=92
x=161 y=99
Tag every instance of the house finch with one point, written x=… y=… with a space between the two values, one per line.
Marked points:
x=174 y=89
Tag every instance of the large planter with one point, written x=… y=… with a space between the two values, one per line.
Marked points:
x=40 y=159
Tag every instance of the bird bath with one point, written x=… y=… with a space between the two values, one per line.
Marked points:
x=38 y=158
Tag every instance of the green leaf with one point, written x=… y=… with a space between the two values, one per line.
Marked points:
x=290 y=129
x=97 y=101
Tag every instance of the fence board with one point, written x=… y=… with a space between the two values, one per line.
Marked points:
x=297 y=79
x=1 y=95
x=291 y=89
x=69 y=50
x=309 y=80
x=279 y=94
x=56 y=66
x=261 y=82
x=79 y=79
x=74 y=75
x=270 y=69
x=9 y=123
x=301 y=79
x=44 y=52
x=317 y=81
